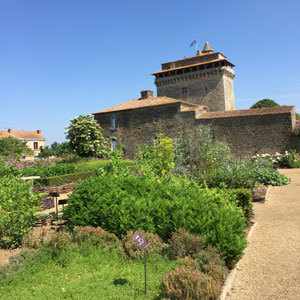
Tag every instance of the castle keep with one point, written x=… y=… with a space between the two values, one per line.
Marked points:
x=205 y=79
x=197 y=91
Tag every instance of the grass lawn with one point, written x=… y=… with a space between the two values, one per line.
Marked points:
x=85 y=272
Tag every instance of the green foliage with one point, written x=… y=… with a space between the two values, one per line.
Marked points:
x=197 y=150
x=270 y=176
x=84 y=271
x=18 y=205
x=157 y=159
x=17 y=262
x=264 y=103
x=244 y=200
x=123 y=204
x=45 y=152
x=8 y=169
x=60 y=149
x=47 y=171
x=13 y=148
x=289 y=159
x=63 y=179
x=297 y=116
x=86 y=139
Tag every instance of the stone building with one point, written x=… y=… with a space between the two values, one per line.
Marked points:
x=205 y=79
x=191 y=92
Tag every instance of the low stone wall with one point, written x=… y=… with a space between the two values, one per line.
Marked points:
x=63 y=189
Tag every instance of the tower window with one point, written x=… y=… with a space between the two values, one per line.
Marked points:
x=113 y=121
x=184 y=91
x=113 y=144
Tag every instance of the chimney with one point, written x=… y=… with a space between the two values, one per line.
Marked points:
x=9 y=130
x=146 y=94
x=39 y=131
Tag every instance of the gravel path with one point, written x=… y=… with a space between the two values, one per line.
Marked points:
x=270 y=268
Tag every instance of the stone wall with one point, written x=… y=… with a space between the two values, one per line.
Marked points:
x=295 y=143
x=141 y=126
x=247 y=135
x=211 y=87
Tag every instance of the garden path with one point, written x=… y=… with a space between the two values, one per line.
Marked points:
x=270 y=268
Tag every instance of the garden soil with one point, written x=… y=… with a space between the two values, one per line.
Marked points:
x=270 y=268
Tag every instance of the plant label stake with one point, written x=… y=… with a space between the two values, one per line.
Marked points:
x=142 y=244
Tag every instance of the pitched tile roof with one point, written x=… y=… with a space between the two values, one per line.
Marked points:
x=194 y=65
x=141 y=103
x=247 y=112
x=22 y=135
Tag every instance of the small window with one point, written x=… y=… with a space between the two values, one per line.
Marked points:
x=184 y=91
x=113 y=144
x=113 y=121
x=35 y=145
x=206 y=89
x=155 y=119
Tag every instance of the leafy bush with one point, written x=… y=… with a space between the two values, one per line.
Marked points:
x=62 y=179
x=155 y=244
x=288 y=160
x=187 y=282
x=244 y=200
x=7 y=169
x=184 y=244
x=270 y=176
x=197 y=150
x=95 y=236
x=47 y=171
x=123 y=204
x=264 y=103
x=18 y=205
x=157 y=159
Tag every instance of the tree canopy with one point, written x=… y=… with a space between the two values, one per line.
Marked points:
x=264 y=103
x=14 y=148
x=86 y=138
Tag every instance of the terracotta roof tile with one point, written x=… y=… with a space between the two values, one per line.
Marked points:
x=141 y=103
x=247 y=112
x=22 y=135
x=194 y=65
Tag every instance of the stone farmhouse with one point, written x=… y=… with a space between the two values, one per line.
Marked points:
x=197 y=91
x=34 y=140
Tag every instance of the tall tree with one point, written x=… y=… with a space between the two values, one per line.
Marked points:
x=86 y=138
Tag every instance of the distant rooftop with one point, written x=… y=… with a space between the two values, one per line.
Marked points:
x=148 y=101
x=22 y=135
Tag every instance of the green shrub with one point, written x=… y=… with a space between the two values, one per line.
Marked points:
x=270 y=176
x=244 y=200
x=58 y=241
x=264 y=103
x=95 y=236
x=187 y=282
x=18 y=205
x=288 y=159
x=155 y=244
x=184 y=244
x=63 y=179
x=123 y=204
x=156 y=159
x=48 y=171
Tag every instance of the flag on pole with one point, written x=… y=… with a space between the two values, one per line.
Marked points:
x=194 y=42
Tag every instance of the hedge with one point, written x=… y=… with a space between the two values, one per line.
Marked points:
x=63 y=179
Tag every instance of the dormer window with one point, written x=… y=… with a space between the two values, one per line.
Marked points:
x=113 y=121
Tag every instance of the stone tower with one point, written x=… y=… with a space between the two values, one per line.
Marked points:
x=205 y=79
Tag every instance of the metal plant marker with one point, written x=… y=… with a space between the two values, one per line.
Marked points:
x=142 y=244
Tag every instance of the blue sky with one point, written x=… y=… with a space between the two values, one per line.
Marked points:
x=63 y=58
